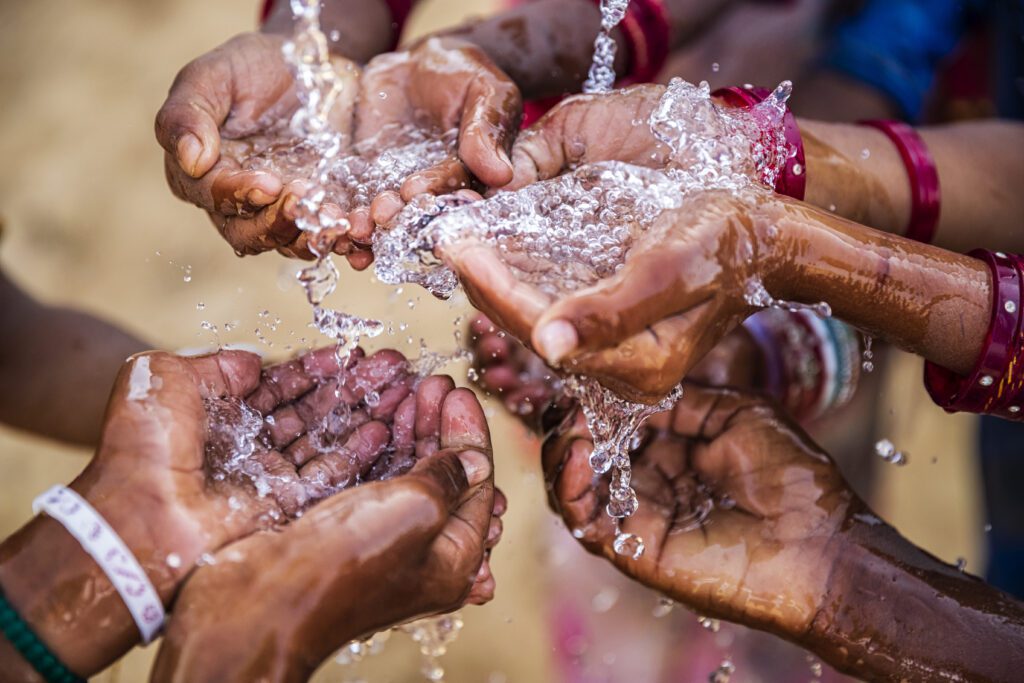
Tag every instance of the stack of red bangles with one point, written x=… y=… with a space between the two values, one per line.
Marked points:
x=996 y=385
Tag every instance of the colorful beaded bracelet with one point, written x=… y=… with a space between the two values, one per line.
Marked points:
x=31 y=648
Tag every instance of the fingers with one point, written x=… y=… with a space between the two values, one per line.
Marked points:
x=538 y=152
x=442 y=178
x=188 y=123
x=463 y=423
x=493 y=288
x=385 y=207
x=227 y=373
x=645 y=291
x=489 y=122
x=430 y=397
x=464 y=430
x=272 y=227
x=361 y=450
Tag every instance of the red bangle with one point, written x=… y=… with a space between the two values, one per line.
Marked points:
x=400 y=11
x=995 y=384
x=924 y=178
x=647 y=33
x=792 y=181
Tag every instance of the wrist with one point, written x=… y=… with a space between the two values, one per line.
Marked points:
x=894 y=612
x=64 y=597
x=356 y=29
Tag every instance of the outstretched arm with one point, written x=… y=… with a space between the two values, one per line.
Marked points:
x=57 y=366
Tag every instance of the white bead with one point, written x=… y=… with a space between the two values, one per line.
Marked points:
x=1010 y=307
x=985 y=381
x=1014 y=409
x=797 y=169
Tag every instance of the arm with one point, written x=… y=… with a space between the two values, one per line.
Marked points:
x=57 y=366
x=356 y=29
x=546 y=47
x=979 y=166
x=927 y=619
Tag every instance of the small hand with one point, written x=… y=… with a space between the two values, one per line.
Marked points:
x=441 y=84
x=681 y=290
x=740 y=513
x=366 y=559
x=223 y=106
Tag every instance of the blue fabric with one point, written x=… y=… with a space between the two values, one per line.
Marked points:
x=1002 y=467
x=897 y=46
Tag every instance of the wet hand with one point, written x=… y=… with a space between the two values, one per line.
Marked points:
x=740 y=512
x=221 y=107
x=366 y=559
x=681 y=290
x=441 y=85
x=587 y=129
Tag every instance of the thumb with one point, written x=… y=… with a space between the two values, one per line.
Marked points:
x=188 y=123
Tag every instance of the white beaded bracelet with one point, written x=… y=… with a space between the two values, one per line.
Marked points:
x=110 y=553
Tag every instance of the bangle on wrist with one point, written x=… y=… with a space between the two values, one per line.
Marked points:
x=810 y=362
x=996 y=384
x=792 y=180
x=103 y=544
x=31 y=648
x=925 y=193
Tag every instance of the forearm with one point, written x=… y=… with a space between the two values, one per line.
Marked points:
x=858 y=171
x=59 y=591
x=545 y=47
x=928 y=301
x=57 y=367
x=894 y=612
x=357 y=29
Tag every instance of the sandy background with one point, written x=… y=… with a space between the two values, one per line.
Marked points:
x=90 y=223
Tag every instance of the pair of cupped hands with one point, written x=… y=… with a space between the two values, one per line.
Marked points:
x=638 y=332
x=249 y=592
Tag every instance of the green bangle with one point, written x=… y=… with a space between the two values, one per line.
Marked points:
x=31 y=648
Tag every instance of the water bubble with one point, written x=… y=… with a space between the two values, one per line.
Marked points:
x=604 y=600
x=200 y=306
x=629 y=545
x=865 y=154
x=715 y=66
x=663 y=608
x=887 y=451
x=174 y=560
x=723 y=674
x=708 y=623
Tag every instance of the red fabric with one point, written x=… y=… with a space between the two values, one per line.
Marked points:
x=400 y=11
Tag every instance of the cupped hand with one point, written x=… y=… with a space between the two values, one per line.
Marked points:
x=683 y=287
x=276 y=604
x=221 y=109
x=439 y=85
x=586 y=129
x=740 y=512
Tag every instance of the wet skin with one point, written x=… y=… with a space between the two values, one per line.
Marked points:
x=149 y=478
x=241 y=96
x=788 y=547
x=276 y=604
x=682 y=289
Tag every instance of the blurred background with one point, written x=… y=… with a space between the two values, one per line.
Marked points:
x=89 y=223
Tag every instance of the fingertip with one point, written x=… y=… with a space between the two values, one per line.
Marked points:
x=360 y=260
x=385 y=207
x=555 y=339
x=189 y=151
x=463 y=423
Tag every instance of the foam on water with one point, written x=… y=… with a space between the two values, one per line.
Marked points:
x=570 y=232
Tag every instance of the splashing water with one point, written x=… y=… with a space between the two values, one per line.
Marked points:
x=572 y=231
x=601 y=77
x=434 y=635
x=757 y=295
x=885 y=450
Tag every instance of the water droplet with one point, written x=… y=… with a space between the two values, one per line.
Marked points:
x=629 y=545
x=174 y=560
x=715 y=66
x=200 y=306
x=865 y=154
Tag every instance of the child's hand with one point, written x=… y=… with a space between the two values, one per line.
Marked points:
x=586 y=129
x=364 y=560
x=220 y=104
x=763 y=554
x=441 y=84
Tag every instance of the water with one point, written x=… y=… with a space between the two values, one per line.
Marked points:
x=601 y=77
x=887 y=452
x=434 y=635
x=572 y=231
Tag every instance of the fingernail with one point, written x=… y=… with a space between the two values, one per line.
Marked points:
x=477 y=466
x=257 y=197
x=556 y=339
x=189 y=151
